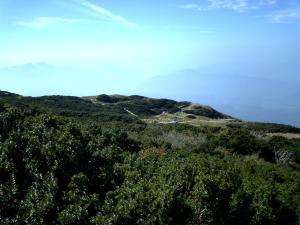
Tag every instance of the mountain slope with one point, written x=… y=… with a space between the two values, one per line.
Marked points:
x=115 y=160
x=136 y=108
x=139 y=105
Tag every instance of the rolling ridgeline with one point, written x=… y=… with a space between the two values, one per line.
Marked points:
x=126 y=160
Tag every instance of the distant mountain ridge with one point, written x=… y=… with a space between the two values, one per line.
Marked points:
x=134 y=108
x=139 y=105
x=246 y=97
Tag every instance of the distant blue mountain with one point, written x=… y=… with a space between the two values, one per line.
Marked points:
x=29 y=69
x=245 y=97
x=28 y=79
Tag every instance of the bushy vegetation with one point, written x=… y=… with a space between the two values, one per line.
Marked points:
x=64 y=169
x=206 y=111
x=112 y=98
x=267 y=127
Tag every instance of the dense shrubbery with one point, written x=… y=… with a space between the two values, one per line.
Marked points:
x=108 y=170
x=282 y=150
x=267 y=127
x=207 y=112
x=52 y=170
x=183 y=188
x=112 y=98
x=142 y=106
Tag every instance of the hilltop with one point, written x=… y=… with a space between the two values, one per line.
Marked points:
x=135 y=107
x=140 y=105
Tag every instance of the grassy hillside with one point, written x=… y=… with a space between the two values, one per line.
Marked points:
x=124 y=160
x=145 y=107
x=141 y=106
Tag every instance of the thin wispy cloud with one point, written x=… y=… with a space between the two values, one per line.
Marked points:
x=105 y=13
x=285 y=16
x=193 y=6
x=99 y=14
x=268 y=2
x=234 y=5
x=44 y=22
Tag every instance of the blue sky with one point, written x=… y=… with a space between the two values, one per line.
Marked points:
x=120 y=41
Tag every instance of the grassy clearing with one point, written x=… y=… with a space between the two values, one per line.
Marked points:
x=185 y=118
x=286 y=135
